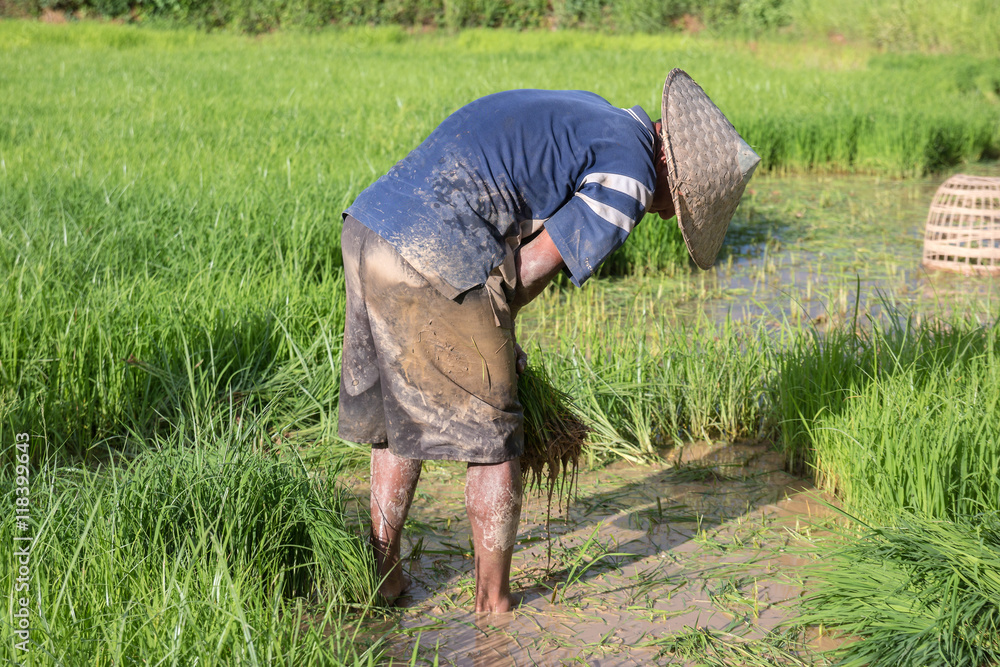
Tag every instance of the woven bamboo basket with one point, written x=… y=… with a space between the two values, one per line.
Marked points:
x=963 y=226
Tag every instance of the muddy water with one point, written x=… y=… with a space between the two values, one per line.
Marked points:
x=805 y=245
x=797 y=251
x=717 y=538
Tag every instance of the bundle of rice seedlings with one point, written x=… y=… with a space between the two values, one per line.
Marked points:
x=920 y=592
x=553 y=437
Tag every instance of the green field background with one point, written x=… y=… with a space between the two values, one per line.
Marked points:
x=171 y=290
x=167 y=195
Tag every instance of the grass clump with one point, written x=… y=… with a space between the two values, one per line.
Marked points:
x=900 y=420
x=267 y=516
x=896 y=415
x=216 y=555
x=920 y=440
x=654 y=247
x=644 y=388
x=918 y=592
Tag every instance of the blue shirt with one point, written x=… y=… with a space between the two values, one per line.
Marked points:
x=506 y=164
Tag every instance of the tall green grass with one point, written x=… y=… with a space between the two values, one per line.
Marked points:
x=170 y=201
x=645 y=384
x=897 y=416
x=213 y=554
x=654 y=247
x=924 y=439
x=902 y=422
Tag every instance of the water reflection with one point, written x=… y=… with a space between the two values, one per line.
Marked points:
x=805 y=250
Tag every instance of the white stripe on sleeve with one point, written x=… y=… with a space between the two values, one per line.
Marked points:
x=623 y=184
x=636 y=117
x=609 y=213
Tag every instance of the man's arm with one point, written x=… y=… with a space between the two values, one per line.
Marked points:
x=537 y=263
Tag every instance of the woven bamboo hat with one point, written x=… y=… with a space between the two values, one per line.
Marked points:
x=708 y=164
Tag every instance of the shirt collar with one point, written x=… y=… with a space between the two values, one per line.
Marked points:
x=640 y=116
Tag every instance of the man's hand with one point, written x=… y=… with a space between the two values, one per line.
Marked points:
x=520 y=359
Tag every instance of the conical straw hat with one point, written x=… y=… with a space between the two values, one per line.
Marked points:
x=708 y=164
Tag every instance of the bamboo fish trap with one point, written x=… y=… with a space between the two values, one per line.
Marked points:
x=963 y=226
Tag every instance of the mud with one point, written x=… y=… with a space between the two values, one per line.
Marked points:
x=720 y=538
x=499 y=492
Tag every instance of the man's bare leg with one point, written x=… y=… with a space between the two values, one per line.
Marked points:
x=394 y=480
x=493 y=501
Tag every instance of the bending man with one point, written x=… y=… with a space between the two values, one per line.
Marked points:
x=442 y=252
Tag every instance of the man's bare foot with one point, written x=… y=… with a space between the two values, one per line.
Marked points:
x=504 y=604
x=394 y=588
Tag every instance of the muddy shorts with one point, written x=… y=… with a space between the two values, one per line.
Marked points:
x=433 y=377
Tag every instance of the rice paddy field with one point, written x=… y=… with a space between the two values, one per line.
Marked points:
x=793 y=452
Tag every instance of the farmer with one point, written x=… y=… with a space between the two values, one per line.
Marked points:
x=442 y=252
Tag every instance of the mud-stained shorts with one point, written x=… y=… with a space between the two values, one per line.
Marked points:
x=433 y=377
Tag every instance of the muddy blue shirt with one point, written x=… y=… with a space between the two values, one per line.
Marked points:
x=506 y=164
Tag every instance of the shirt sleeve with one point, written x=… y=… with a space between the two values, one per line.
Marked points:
x=597 y=220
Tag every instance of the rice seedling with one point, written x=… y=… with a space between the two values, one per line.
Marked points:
x=554 y=436
x=712 y=648
x=918 y=441
x=920 y=591
x=642 y=387
x=213 y=554
x=867 y=408
x=579 y=560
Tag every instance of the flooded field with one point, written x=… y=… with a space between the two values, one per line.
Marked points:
x=797 y=252
x=821 y=237
x=713 y=541
x=696 y=559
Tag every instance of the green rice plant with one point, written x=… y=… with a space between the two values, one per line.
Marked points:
x=713 y=648
x=642 y=383
x=923 y=440
x=920 y=591
x=813 y=375
x=577 y=561
x=216 y=555
x=863 y=406
x=901 y=422
x=266 y=516
x=113 y=328
x=554 y=436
